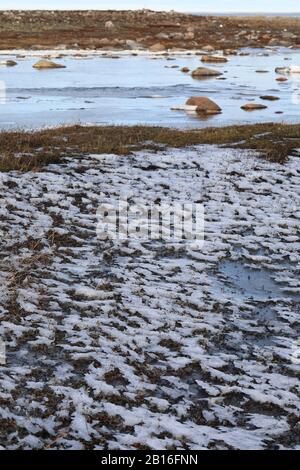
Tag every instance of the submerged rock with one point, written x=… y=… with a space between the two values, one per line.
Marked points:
x=48 y=64
x=205 y=72
x=204 y=105
x=253 y=106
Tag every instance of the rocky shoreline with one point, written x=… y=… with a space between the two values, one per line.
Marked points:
x=143 y=30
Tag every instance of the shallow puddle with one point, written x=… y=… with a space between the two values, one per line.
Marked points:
x=256 y=284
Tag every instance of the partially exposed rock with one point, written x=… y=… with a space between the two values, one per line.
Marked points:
x=269 y=98
x=253 y=106
x=204 y=105
x=48 y=64
x=201 y=72
x=213 y=58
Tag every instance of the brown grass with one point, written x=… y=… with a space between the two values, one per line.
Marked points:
x=24 y=151
x=45 y=29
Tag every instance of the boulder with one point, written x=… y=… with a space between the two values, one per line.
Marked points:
x=189 y=36
x=132 y=44
x=162 y=36
x=204 y=105
x=158 y=47
x=208 y=48
x=104 y=42
x=213 y=58
x=202 y=72
x=109 y=25
x=281 y=79
x=253 y=106
x=185 y=70
x=48 y=64
x=8 y=63
x=177 y=36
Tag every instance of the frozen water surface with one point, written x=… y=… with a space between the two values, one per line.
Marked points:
x=141 y=90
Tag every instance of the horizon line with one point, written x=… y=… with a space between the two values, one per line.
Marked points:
x=149 y=9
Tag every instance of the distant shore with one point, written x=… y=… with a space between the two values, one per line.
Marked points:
x=243 y=13
x=143 y=29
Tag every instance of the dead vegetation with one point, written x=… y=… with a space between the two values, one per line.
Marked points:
x=24 y=151
x=86 y=29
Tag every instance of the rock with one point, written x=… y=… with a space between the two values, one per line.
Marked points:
x=189 y=36
x=185 y=70
x=253 y=106
x=208 y=48
x=281 y=79
x=204 y=105
x=36 y=47
x=291 y=69
x=109 y=25
x=48 y=64
x=132 y=44
x=213 y=58
x=177 y=36
x=230 y=52
x=205 y=72
x=261 y=71
x=269 y=98
x=8 y=63
x=162 y=36
x=158 y=47
x=61 y=47
x=273 y=42
x=104 y=42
